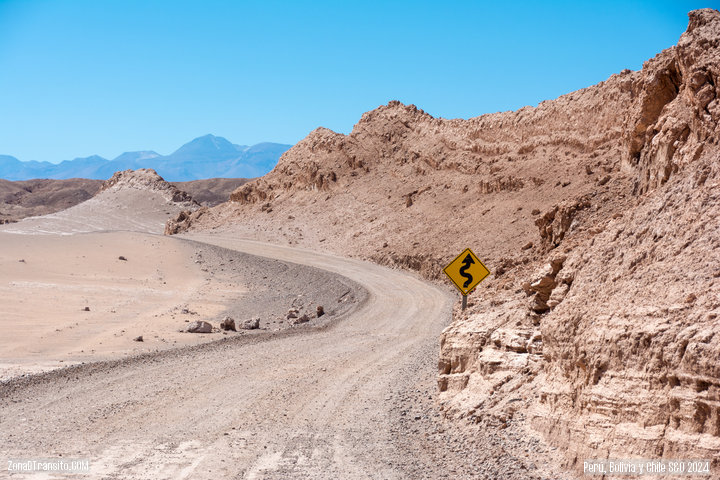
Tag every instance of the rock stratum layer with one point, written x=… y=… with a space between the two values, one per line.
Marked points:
x=598 y=214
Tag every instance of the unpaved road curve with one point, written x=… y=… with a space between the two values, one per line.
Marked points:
x=309 y=404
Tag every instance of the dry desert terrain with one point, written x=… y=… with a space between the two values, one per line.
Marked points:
x=595 y=336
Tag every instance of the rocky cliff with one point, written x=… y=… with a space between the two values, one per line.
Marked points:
x=598 y=214
x=147 y=179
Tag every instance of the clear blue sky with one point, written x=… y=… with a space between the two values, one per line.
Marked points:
x=106 y=76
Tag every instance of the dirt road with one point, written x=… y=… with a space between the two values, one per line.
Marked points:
x=350 y=401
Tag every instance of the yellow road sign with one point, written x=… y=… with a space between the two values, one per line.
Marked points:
x=466 y=271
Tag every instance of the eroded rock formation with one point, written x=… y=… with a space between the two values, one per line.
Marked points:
x=598 y=213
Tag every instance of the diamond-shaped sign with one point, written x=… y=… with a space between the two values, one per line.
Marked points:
x=466 y=271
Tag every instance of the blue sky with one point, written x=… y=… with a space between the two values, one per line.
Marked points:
x=102 y=77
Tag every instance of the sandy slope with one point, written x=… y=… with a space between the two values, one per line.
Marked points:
x=43 y=321
x=129 y=209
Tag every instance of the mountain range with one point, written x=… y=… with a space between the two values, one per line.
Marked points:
x=208 y=156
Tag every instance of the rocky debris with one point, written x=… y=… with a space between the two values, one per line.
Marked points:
x=86 y=309
x=139 y=338
x=147 y=179
x=556 y=223
x=292 y=313
x=250 y=324
x=182 y=221
x=122 y=258
x=212 y=191
x=320 y=311
x=228 y=323
x=199 y=326
x=301 y=319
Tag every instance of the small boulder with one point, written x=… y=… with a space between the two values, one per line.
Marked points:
x=251 y=324
x=303 y=319
x=138 y=339
x=320 y=311
x=122 y=258
x=199 y=327
x=86 y=309
x=292 y=313
x=228 y=324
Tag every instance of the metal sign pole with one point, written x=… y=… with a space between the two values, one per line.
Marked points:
x=464 y=302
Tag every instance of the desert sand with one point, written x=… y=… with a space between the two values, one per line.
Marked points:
x=50 y=280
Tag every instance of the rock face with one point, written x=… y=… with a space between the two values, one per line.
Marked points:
x=148 y=179
x=628 y=310
x=601 y=324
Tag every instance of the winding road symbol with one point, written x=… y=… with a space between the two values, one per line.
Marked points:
x=463 y=270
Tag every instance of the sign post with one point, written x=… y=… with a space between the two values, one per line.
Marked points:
x=466 y=272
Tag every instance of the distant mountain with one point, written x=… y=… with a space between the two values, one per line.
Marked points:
x=204 y=157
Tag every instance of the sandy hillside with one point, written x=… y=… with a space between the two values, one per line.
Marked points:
x=31 y=198
x=137 y=200
x=597 y=213
x=102 y=255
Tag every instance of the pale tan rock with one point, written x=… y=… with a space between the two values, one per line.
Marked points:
x=611 y=360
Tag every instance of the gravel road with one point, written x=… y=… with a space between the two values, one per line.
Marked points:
x=352 y=399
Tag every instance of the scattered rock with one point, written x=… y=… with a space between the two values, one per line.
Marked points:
x=139 y=338
x=228 y=324
x=303 y=319
x=122 y=258
x=86 y=309
x=199 y=326
x=251 y=324
x=320 y=311
x=22 y=260
x=292 y=313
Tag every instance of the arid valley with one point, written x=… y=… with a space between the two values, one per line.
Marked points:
x=299 y=325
